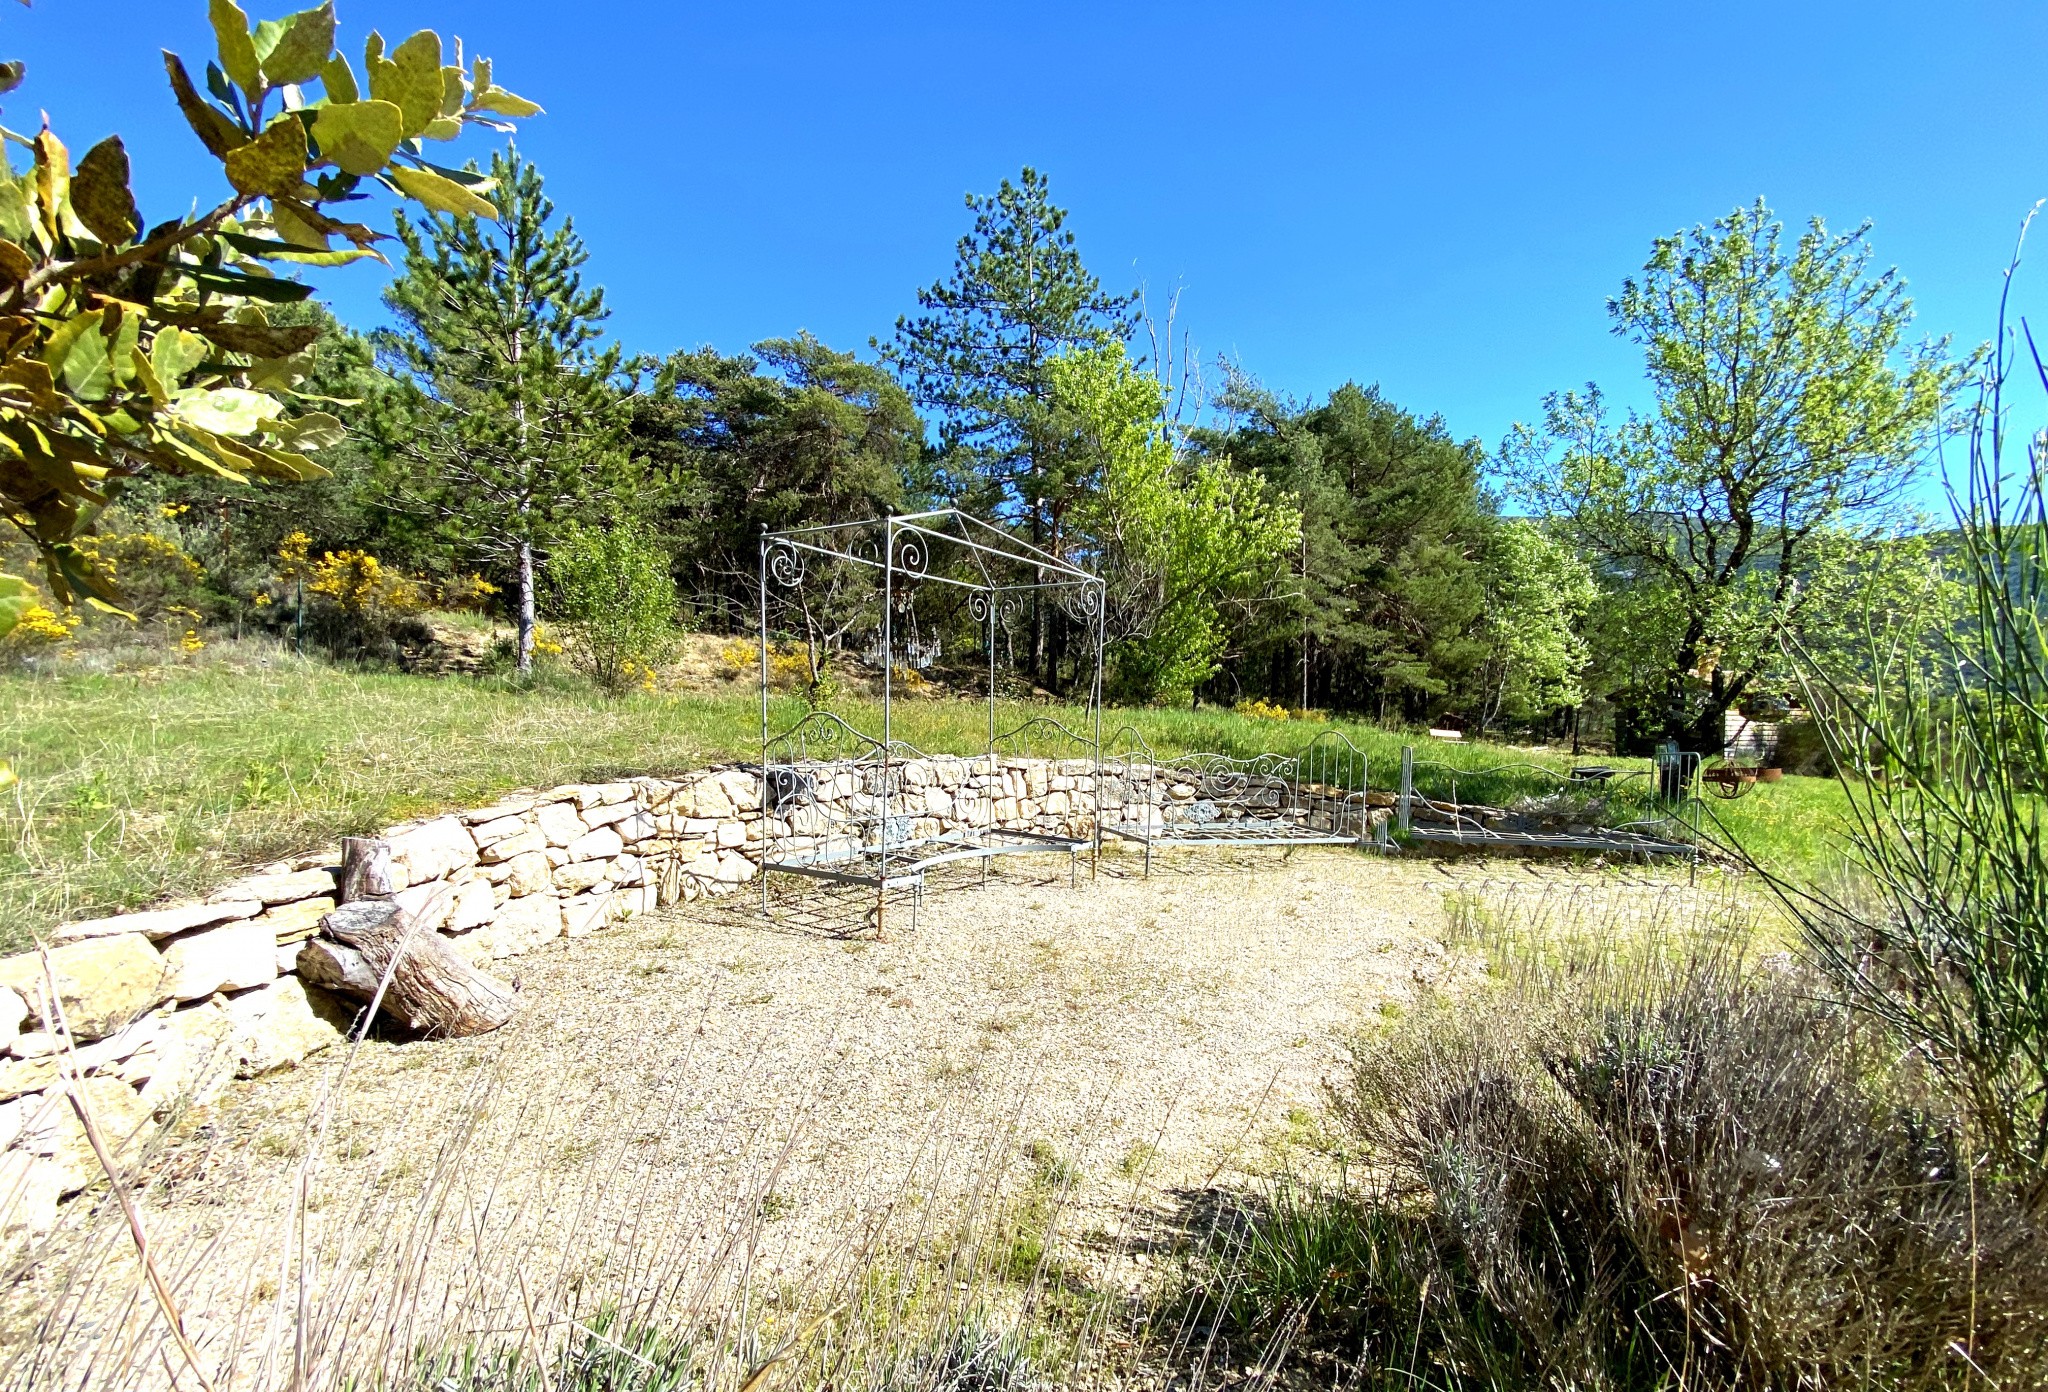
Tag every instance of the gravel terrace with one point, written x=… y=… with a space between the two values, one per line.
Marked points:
x=700 y=1090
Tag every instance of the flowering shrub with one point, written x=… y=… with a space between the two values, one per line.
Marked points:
x=40 y=629
x=789 y=664
x=360 y=583
x=1259 y=708
x=152 y=574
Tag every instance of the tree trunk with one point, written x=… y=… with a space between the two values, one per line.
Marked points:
x=528 y=620
x=433 y=991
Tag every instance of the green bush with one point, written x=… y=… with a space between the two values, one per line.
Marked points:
x=613 y=588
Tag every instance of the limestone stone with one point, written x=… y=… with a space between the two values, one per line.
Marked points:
x=626 y=870
x=233 y=957
x=287 y=957
x=34 y=1044
x=573 y=879
x=498 y=811
x=559 y=823
x=586 y=913
x=19 y=1076
x=159 y=923
x=278 y=1025
x=734 y=868
x=520 y=926
x=290 y=923
x=487 y=832
x=732 y=834
x=557 y=856
x=709 y=799
x=700 y=826
x=29 y=1190
x=938 y=802
x=590 y=795
x=13 y=1012
x=429 y=905
x=54 y=1132
x=195 y=1058
x=432 y=849
x=637 y=827
x=475 y=903
x=512 y=847
x=602 y=844
x=282 y=887
x=595 y=817
x=102 y=983
x=528 y=873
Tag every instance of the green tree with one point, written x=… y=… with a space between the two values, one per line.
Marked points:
x=1790 y=416
x=511 y=423
x=612 y=583
x=1538 y=592
x=980 y=357
x=1386 y=590
x=127 y=347
x=795 y=432
x=1174 y=538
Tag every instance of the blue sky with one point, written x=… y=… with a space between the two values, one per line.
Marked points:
x=1438 y=198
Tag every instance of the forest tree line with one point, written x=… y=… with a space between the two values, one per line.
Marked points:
x=1344 y=552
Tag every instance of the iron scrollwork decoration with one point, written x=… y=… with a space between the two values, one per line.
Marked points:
x=1004 y=607
x=913 y=557
x=785 y=565
x=1081 y=603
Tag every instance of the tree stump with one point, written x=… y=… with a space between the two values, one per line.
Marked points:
x=366 y=869
x=432 y=991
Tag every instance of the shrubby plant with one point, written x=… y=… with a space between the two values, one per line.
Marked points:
x=612 y=585
x=1942 y=748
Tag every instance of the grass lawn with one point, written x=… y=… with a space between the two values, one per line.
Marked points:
x=167 y=780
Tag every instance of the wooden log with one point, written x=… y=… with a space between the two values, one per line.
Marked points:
x=432 y=991
x=366 y=869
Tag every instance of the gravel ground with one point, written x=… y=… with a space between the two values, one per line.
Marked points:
x=704 y=1100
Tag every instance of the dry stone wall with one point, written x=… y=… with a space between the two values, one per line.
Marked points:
x=168 y=1005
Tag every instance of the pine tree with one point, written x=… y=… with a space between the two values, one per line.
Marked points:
x=980 y=355
x=512 y=410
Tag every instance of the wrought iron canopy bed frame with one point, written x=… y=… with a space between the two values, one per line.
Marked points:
x=862 y=808
x=1314 y=798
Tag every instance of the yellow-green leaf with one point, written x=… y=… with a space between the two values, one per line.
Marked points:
x=145 y=371
x=225 y=410
x=8 y=777
x=100 y=197
x=17 y=218
x=340 y=80
x=53 y=180
x=411 y=79
x=121 y=352
x=77 y=356
x=175 y=353
x=504 y=103
x=303 y=43
x=314 y=430
x=453 y=90
x=272 y=163
x=237 y=49
x=17 y=597
x=442 y=195
x=215 y=131
x=359 y=136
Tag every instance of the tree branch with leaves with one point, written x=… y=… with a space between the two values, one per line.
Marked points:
x=127 y=347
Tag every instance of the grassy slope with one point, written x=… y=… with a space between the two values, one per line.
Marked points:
x=166 y=780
